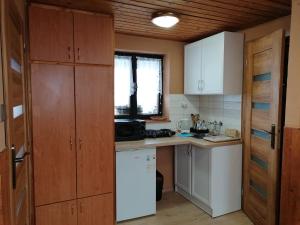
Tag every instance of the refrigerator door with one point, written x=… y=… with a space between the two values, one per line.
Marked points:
x=136 y=183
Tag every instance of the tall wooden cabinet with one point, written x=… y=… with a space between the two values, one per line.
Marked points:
x=72 y=108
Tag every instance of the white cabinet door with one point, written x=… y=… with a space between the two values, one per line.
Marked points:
x=192 y=68
x=212 y=64
x=183 y=167
x=226 y=179
x=201 y=174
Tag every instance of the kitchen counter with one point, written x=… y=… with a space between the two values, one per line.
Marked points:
x=169 y=141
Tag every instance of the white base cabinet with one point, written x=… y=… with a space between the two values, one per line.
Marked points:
x=214 y=177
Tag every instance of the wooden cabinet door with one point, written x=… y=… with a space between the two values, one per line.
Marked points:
x=201 y=174
x=96 y=210
x=183 y=167
x=64 y=213
x=192 y=68
x=212 y=64
x=93 y=36
x=53 y=120
x=95 y=130
x=51 y=34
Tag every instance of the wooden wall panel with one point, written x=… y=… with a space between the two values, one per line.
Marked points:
x=290 y=183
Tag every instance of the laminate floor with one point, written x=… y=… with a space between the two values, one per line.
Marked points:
x=173 y=209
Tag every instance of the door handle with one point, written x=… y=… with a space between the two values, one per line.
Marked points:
x=273 y=134
x=273 y=130
x=21 y=159
x=14 y=161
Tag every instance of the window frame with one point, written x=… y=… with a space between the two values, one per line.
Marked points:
x=133 y=98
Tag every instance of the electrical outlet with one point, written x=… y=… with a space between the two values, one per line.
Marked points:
x=184 y=105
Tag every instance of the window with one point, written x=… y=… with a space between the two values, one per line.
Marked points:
x=138 y=85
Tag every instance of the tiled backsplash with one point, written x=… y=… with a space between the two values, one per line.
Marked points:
x=180 y=107
x=220 y=108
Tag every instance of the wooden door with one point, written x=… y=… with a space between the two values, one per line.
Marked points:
x=183 y=167
x=16 y=112
x=63 y=213
x=51 y=34
x=96 y=210
x=53 y=121
x=95 y=130
x=262 y=127
x=93 y=37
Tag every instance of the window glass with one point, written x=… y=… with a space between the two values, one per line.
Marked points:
x=138 y=85
x=123 y=84
x=149 y=85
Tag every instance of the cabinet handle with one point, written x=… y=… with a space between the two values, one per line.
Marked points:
x=72 y=209
x=203 y=85
x=80 y=207
x=71 y=143
x=80 y=144
x=78 y=53
x=199 y=86
x=69 y=52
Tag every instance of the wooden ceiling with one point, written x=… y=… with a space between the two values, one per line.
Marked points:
x=198 y=18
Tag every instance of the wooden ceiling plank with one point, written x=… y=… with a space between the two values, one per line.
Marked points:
x=184 y=23
x=235 y=8
x=198 y=18
x=258 y=4
x=164 y=31
x=221 y=9
x=191 y=19
x=182 y=10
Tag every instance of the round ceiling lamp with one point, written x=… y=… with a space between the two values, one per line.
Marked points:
x=165 y=19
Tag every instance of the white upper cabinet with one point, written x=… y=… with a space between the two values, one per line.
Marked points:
x=192 y=56
x=214 y=65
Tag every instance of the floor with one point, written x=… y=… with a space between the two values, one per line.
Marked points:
x=173 y=209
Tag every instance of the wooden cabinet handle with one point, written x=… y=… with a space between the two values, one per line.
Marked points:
x=78 y=53
x=80 y=144
x=72 y=209
x=71 y=143
x=69 y=52
x=80 y=207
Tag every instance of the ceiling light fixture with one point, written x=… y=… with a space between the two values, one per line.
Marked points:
x=165 y=19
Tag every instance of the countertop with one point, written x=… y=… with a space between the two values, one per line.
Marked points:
x=169 y=141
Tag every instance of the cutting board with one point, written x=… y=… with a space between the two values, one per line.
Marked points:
x=220 y=138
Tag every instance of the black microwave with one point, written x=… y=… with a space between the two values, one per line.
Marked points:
x=129 y=130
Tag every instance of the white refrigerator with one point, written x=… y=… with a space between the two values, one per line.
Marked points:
x=135 y=183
